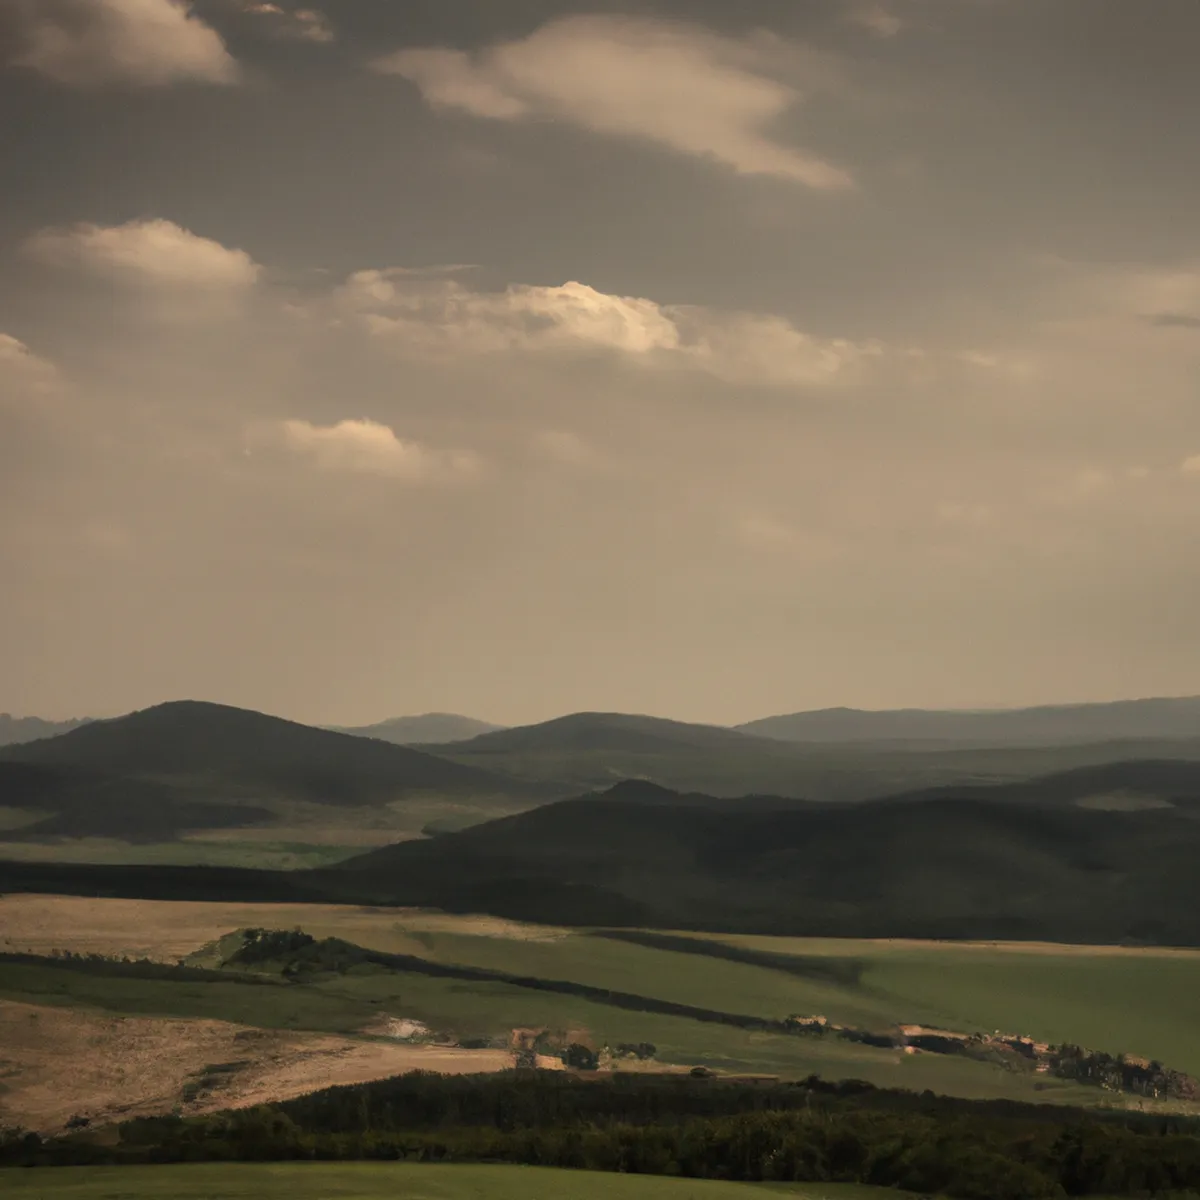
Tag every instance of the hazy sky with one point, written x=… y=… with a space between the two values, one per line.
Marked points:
x=515 y=357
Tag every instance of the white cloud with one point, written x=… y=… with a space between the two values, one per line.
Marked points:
x=155 y=252
x=877 y=20
x=93 y=43
x=669 y=83
x=299 y=24
x=367 y=447
x=1191 y=466
x=444 y=317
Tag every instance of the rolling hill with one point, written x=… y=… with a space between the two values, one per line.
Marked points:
x=429 y=729
x=596 y=750
x=156 y=774
x=936 y=867
x=235 y=748
x=1157 y=718
x=592 y=751
x=608 y=733
x=999 y=865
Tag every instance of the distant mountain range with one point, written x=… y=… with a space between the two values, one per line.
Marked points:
x=1159 y=718
x=428 y=729
x=218 y=752
x=27 y=729
x=1045 y=725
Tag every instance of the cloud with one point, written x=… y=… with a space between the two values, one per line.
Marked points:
x=1169 y=320
x=877 y=20
x=1191 y=466
x=564 y=447
x=20 y=365
x=297 y=24
x=672 y=84
x=94 y=43
x=153 y=252
x=444 y=317
x=766 y=534
x=369 y=448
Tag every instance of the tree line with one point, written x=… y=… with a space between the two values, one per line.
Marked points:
x=811 y=1131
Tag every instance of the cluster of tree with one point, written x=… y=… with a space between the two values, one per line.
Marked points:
x=265 y=945
x=1117 y=1073
x=639 y=1050
x=1120 y=1073
x=812 y=1131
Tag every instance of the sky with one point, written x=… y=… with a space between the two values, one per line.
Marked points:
x=698 y=359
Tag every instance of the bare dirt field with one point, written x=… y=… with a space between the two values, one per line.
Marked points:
x=57 y=1063
x=168 y=930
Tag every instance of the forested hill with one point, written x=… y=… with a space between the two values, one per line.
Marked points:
x=938 y=867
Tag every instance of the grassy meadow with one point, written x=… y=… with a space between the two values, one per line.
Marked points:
x=391 y=1181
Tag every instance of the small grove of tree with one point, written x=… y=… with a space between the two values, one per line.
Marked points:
x=268 y=945
x=580 y=1057
x=641 y=1050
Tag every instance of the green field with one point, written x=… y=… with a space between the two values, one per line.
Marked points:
x=1136 y=1002
x=398 y=1181
x=1139 y=1002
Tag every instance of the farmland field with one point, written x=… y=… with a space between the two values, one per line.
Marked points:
x=1120 y=1001
x=399 y=1181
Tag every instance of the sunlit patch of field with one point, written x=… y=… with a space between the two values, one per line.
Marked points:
x=169 y=930
x=63 y=1062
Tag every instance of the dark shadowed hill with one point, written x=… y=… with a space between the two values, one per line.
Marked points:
x=1159 y=718
x=933 y=867
x=1116 y=786
x=14 y=730
x=926 y=867
x=233 y=750
x=68 y=802
x=429 y=729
